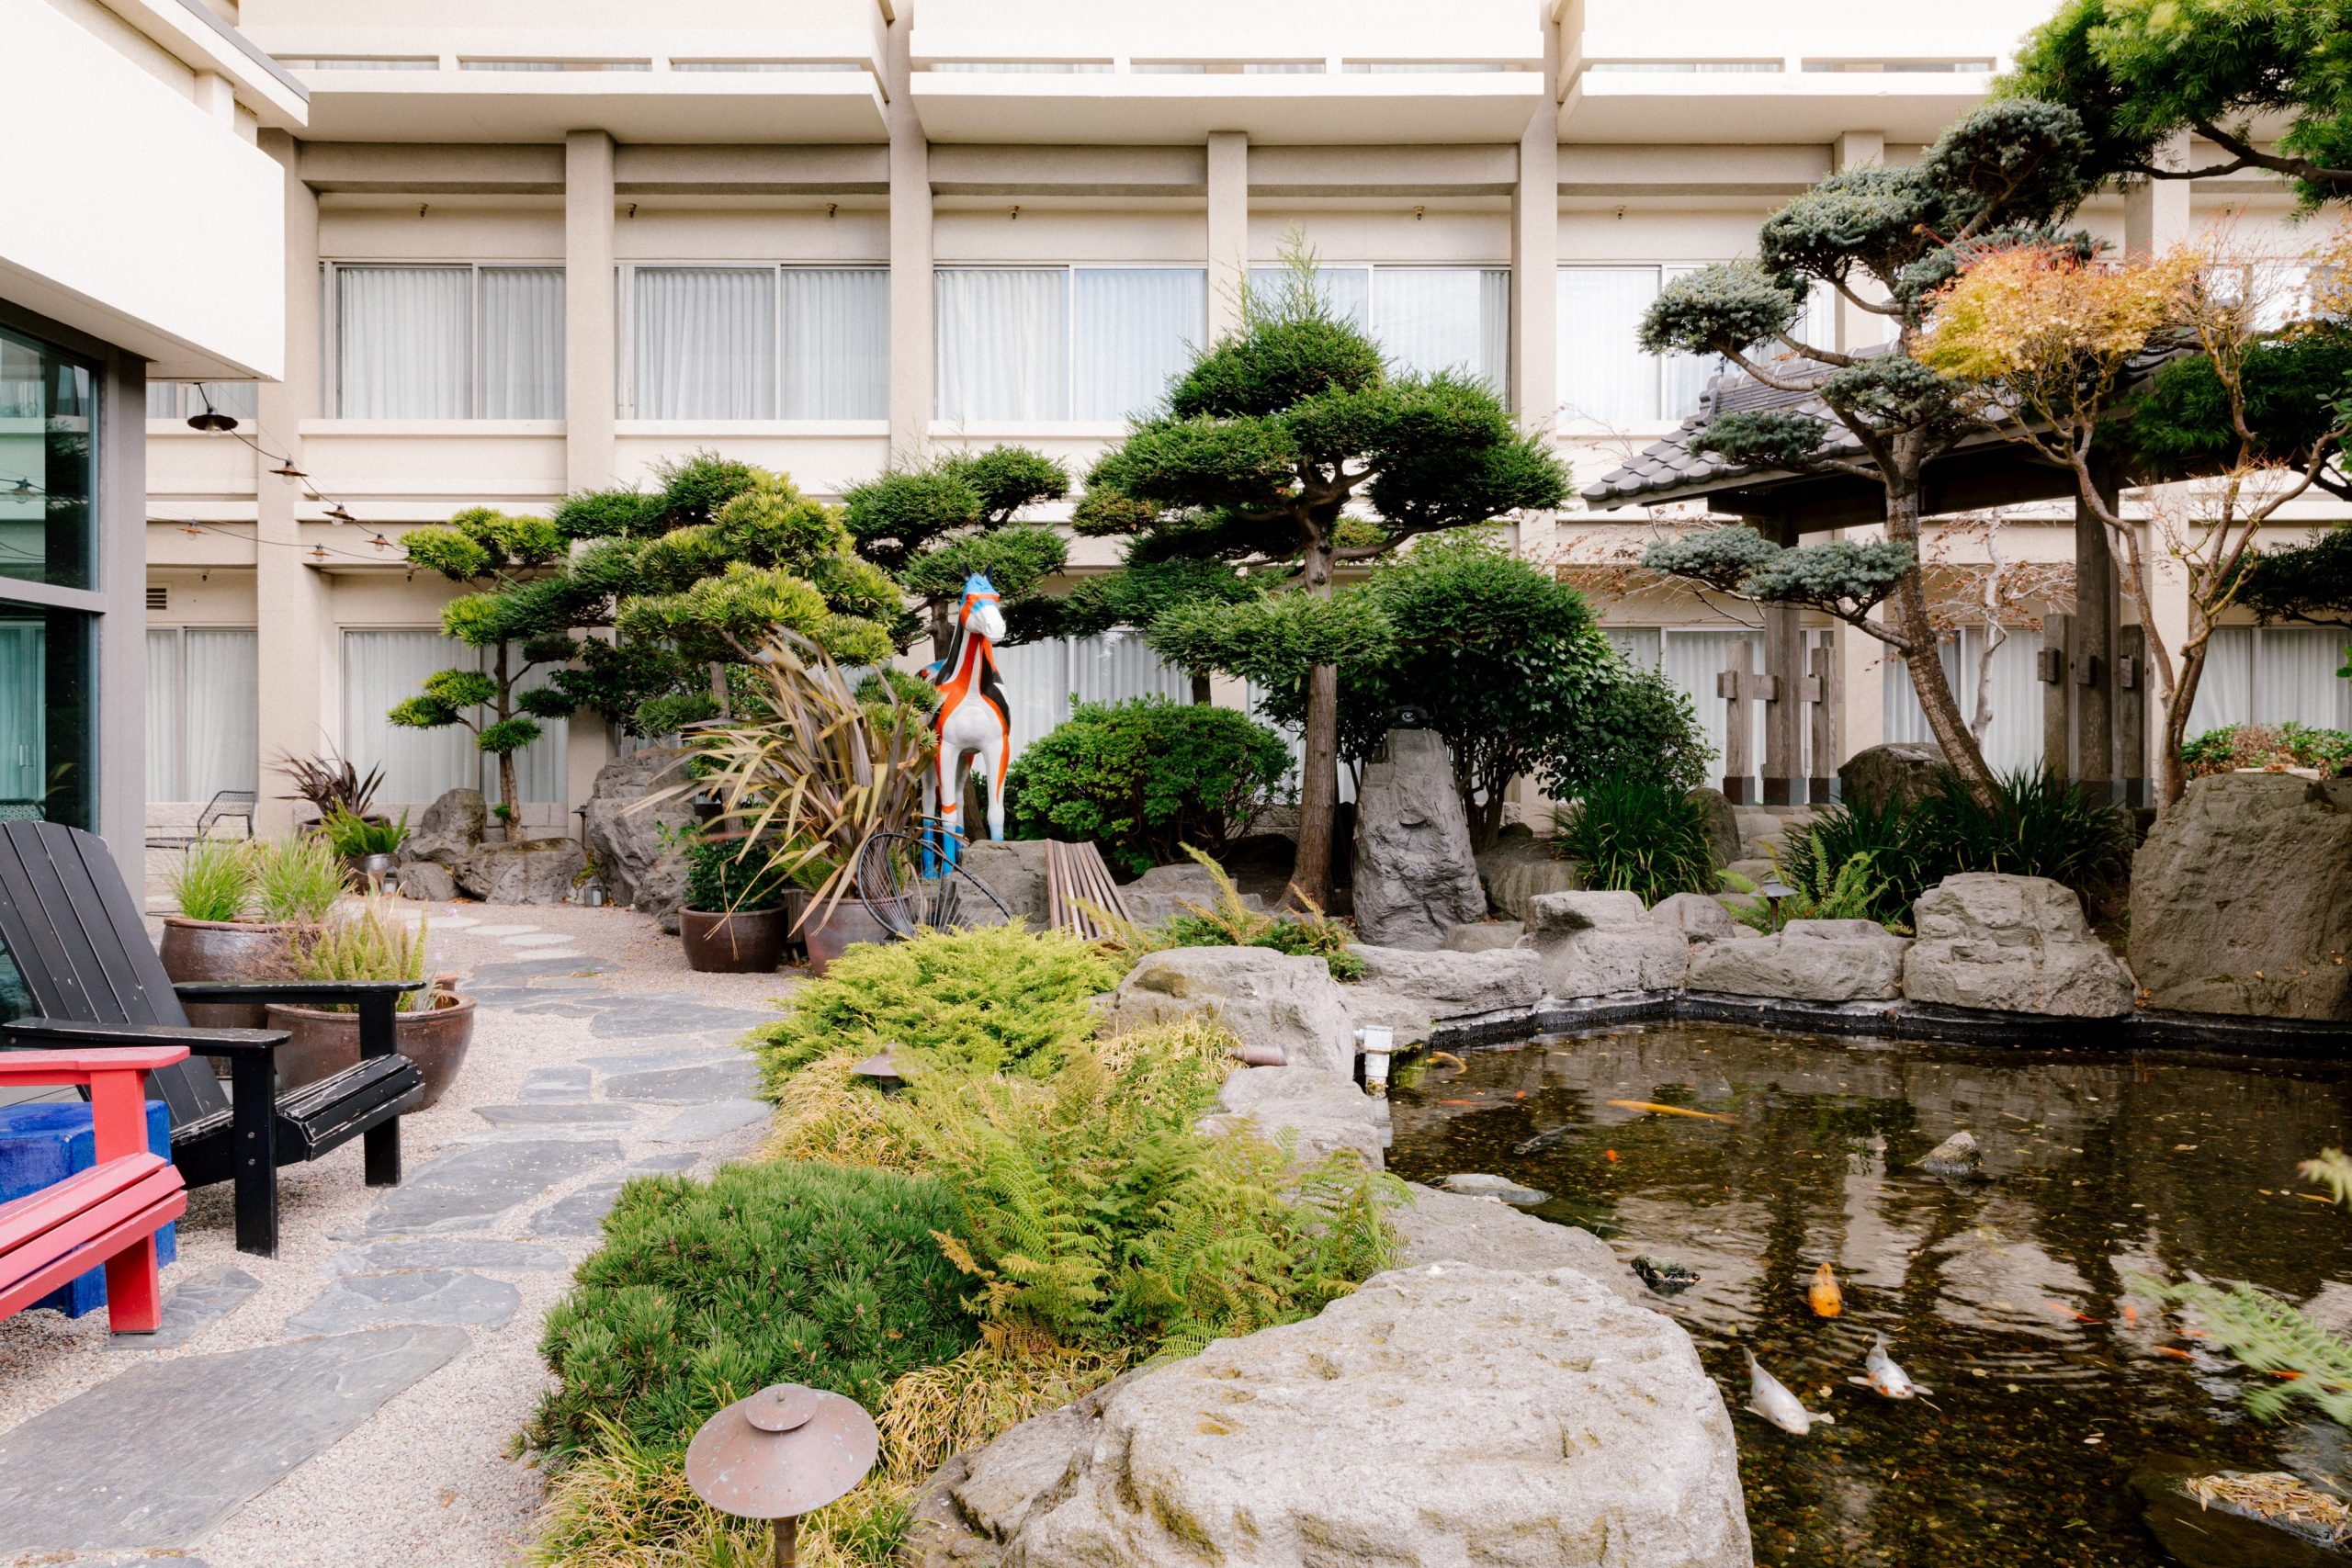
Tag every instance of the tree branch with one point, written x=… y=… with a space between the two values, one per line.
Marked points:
x=2248 y=156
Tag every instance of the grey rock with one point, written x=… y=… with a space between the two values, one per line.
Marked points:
x=1514 y=892
x=1758 y=871
x=1485 y=936
x=2014 y=943
x=1906 y=770
x=545 y=1086
x=1012 y=869
x=977 y=1501
x=1700 y=917
x=702 y=1122
x=1415 y=879
x=577 y=1213
x=728 y=1079
x=632 y=845
x=1272 y=1001
x=1515 y=846
x=539 y=870
x=1599 y=944
x=1440 y=1227
x=583 y=1114
x=1956 y=1156
x=1456 y=984
x=196 y=1304
x=1307 y=1110
x=470 y=1252
x=211 y=1432
x=1723 y=840
x=427 y=1296
x=1446 y=1414
x=2242 y=900
x=642 y=1019
x=1190 y=878
x=448 y=831
x=664 y=1164
x=1479 y=1184
x=468 y=1184
x=428 y=882
x=1814 y=961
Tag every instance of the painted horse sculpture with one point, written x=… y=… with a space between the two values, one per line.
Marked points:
x=973 y=718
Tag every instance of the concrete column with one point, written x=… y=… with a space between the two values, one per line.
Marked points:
x=589 y=393
x=911 y=284
x=118 y=747
x=294 y=637
x=2156 y=218
x=1855 y=328
x=2155 y=213
x=1228 y=205
x=1535 y=254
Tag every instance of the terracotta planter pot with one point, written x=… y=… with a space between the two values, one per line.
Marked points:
x=852 y=921
x=747 y=941
x=324 y=1044
x=224 y=951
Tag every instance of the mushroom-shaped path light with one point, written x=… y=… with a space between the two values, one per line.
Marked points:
x=785 y=1450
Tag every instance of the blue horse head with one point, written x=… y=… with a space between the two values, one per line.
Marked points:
x=979 y=586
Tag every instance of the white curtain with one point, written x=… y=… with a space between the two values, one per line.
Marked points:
x=2295 y=677
x=836 y=343
x=1604 y=374
x=164 y=707
x=223 y=668
x=381 y=668
x=522 y=343
x=2225 y=690
x=1691 y=661
x=1637 y=646
x=177 y=399
x=1346 y=290
x=1004 y=343
x=1043 y=681
x=24 y=713
x=404 y=334
x=1429 y=319
x=1904 y=719
x=2013 y=743
x=1133 y=330
x=706 y=343
x=1255 y=696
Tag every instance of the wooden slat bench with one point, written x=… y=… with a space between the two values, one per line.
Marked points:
x=1076 y=884
x=107 y=1215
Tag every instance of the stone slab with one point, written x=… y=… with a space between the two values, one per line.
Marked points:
x=577 y=1213
x=450 y=1252
x=211 y=1431
x=521 y=971
x=664 y=1164
x=200 y=1301
x=578 y=1114
x=548 y=1085
x=428 y=1296
x=704 y=1122
x=654 y=1061
x=473 y=1182
x=627 y=1022
x=540 y=938
x=728 y=1079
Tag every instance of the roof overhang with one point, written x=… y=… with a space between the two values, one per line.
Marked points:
x=443 y=106
x=1815 y=107
x=1119 y=108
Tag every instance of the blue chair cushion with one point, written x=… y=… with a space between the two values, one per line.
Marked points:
x=43 y=1143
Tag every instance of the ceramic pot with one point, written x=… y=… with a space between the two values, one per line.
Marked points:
x=224 y=951
x=320 y=1045
x=747 y=941
x=851 y=921
x=369 y=871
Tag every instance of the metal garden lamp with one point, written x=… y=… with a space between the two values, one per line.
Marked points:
x=785 y=1450
x=1773 y=890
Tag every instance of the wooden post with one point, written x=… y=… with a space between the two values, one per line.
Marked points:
x=2092 y=653
x=1738 y=686
x=1823 y=690
x=2057 y=706
x=1783 y=719
x=2131 y=714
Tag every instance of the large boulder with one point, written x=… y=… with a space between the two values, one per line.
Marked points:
x=1598 y=944
x=456 y=821
x=1696 y=916
x=1722 y=825
x=1906 y=770
x=1446 y=1227
x=2242 y=900
x=636 y=851
x=1414 y=876
x=426 y=881
x=1446 y=1414
x=1412 y=992
x=1517 y=887
x=1810 y=960
x=538 y=871
x=1274 y=1001
x=1306 y=1109
x=1483 y=937
x=2016 y=943
x=1012 y=869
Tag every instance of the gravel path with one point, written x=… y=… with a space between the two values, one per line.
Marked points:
x=596 y=1054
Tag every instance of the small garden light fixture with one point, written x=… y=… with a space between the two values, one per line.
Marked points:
x=1773 y=890
x=785 y=1450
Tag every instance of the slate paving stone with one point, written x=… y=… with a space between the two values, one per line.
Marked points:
x=560 y=1009
x=429 y=1296
x=728 y=1079
x=541 y=939
x=521 y=971
x=653 y=1061
x=582 y=1113
x=449 y=1252
x=159 y=1455
x=704 y=1122
x=474 y=1181
x=197 y=1303
x=577 y=1214
x=625 y=1023
x=505 y=930
x=547 y=1085
x=664 y=1164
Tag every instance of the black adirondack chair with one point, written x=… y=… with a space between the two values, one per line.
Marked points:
x=82 y=957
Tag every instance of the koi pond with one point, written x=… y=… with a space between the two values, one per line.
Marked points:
x=2003 y=1297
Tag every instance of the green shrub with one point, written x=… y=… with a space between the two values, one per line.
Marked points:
x=2289 y=745
x=1880 y=831
x=370 y=942
x=1231 y=923
x=297 y=880
x=1142 y=778
x=214 y=881
x=2038 y=825
x=999 y=998
x=704 y=1292
x=1634 y=723
x=1633 y=832
x=1851 y=891
x=353 y=836
x=722 y=877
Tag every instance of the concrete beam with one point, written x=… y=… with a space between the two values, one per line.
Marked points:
x=1475 y=170
x=959 y=169
x=431 y=168
x=1605 y=169
x=1535 y=257
x=911 y=348
x=819 y=170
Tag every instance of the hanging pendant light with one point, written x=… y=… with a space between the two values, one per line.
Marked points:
x=211 y=419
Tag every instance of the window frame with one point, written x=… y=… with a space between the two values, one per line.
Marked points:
x=331 y=326
x=625 y=337
x=1070 y=271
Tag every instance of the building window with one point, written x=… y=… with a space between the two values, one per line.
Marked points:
x=203 y=707
x=48 y=715
x=1604 y=376
x=47 y=464
x=1425 y=318
x=2272 y=674
x=447 y=341
x=758 y=342
x=1033 y=343
x=381 y=668
x=2013 y=742
x=175 y=400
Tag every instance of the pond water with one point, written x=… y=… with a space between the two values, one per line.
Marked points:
x=2006 y=1297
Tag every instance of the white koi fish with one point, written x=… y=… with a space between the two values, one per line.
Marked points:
x=1767 y=1398
x=1884 y=1377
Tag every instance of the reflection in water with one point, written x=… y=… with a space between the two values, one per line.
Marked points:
x=2006 y=1296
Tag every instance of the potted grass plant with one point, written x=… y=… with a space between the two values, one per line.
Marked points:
x=810 y=775
x=739 y=911
x=239 y=905
x=433 y=1028
x=367 y=844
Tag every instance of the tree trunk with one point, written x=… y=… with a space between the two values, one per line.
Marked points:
x=1318 y=785
x=502 y=674
x=1201 y=698
x=943 y=630
x=2171 y=773
x=1909 y=603
x=719 y=689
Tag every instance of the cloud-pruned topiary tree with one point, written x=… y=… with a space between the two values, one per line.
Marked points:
x=934 y=524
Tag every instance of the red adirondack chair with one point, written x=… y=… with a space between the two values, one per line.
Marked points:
x=107 y=1215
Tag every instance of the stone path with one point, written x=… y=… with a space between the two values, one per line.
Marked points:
x=305 y=1408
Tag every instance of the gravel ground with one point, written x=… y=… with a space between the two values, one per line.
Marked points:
x=427 y=1480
